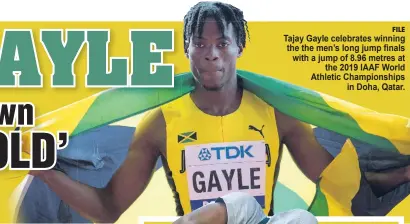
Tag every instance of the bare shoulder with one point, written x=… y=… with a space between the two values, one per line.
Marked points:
x=150 y=133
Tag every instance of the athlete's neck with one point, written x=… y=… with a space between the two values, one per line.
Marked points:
x=221 y=102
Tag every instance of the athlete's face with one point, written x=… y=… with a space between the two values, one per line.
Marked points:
x=213 y=55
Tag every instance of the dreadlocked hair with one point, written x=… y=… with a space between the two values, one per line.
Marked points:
x=194 y=20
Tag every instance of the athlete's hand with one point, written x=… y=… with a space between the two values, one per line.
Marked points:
x=407 y=173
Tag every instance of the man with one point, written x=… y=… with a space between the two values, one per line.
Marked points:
x=216 y=140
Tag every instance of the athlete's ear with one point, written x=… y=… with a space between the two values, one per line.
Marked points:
x=186 y=52
x=240 y=50
x=186 y=48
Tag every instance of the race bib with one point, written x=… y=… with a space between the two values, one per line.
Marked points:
x=214 y=170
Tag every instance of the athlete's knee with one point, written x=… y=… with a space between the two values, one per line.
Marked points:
x=306 y=216
x=242 y=208
x=183 y=220
x=299 y=216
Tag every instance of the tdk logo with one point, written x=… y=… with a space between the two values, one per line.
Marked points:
x=233 y=152
x=204 y=154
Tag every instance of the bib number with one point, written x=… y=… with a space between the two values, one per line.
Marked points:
x=214 y=170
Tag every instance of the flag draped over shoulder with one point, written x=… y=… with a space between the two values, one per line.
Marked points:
x=390 y=132
x=340 y=181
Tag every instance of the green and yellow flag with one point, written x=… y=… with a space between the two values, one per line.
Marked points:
x=339 y=183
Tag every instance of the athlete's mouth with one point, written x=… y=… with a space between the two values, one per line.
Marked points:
x=212 y=71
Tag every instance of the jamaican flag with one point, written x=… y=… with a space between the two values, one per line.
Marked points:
x=340 y=183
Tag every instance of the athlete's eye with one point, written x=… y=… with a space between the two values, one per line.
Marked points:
x=198 y=45
x=223 y=44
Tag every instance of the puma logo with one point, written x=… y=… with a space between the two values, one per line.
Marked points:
x=251 y=127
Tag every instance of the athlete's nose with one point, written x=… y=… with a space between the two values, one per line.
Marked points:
x=212 y=54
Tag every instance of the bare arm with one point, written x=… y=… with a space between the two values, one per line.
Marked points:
x=299 y=138
x=127 y=184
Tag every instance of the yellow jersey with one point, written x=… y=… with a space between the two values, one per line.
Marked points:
x=210 y=156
